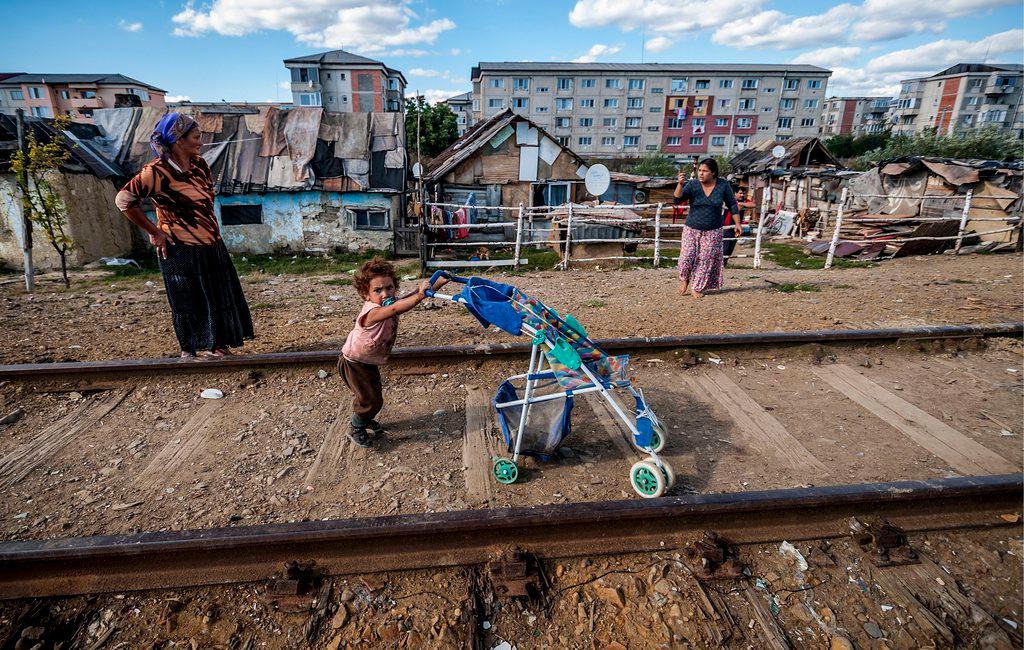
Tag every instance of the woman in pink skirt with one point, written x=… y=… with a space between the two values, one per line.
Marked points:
x=700 y=252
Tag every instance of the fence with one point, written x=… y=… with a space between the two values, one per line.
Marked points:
x=653 y=226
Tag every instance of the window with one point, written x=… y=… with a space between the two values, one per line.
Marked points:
x=747 y=104
x=309 y=99
x=613 y=83
x=65 y=94
x=741 y=141
x=814 y=83
x=520 y=83
x=749 y=84
x=85 y=112
x=655 y=109
x=678 y=86
x=785 y=122
x=495 y=103
x=611 y=103
x=17 y=95
x=543 y=89
x=632 y=122
x=792 y=84
x=718 y=141
x=702 y=84
x=679 y=103
x=564 y=83
x=768 y=90
x=807 y=121
x=370 y=219
x=651 y=147
x=724 y=103
x=586 y=103
x=657 y=90
x=972 y=101
x=696 y=141
x=241 y=215
x=563 y=122
x=653 y=129
x=520 y=102
x=140 y=93
x=698 y=122
x=87 y=94
x=767 y=109
x=586 y=122
x=540 y=109
x=608 y=141
x=725 y=83
x=610 y=121
x=674 y=123
x=497 y=83
x=35 y=92
x=636 y=84
x=721 y=121
x=743 y=122
x=810 y=103
x=563 y=104
x=762 y=128
x=631 y=141
x=698 y=103
x=476 y=103
x=588 y=83
x=673 y=141
x=787 y=104
x=635 y=102
x=41 y=111
x=563 y=140
x=586 y=141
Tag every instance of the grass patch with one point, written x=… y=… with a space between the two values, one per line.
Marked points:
x=787 y=287
x=959 y=281
x=147 y=267
x=301 y=263
x=266 y=306
x=339 y=282
x=594 y=303
x=795 y=257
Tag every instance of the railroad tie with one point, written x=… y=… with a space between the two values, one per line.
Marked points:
x=186 y=442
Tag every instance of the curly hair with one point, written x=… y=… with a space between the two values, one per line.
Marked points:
x=376 y=267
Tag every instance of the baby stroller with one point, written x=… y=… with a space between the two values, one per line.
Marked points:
x=537 y=423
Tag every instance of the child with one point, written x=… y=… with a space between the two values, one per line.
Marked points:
x=369 y=343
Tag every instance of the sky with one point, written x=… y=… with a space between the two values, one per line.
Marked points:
x=233 y=49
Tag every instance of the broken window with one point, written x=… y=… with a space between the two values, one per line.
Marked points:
x=241 y=215
x=370 y=218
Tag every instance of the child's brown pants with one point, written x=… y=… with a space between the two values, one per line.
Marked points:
x=363 y=379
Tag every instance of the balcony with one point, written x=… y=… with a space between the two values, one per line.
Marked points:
x=999 y=89
x=80 y=102
x=393 y=95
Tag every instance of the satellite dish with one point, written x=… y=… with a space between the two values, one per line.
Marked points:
x=597 y=180
x=778 y=151
x=417 y=170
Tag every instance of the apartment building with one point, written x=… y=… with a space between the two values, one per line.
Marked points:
x=855 y=115
x=462 y=106
x=610 y=110
x=343 y=82
x=75 y=95
x=962 y=98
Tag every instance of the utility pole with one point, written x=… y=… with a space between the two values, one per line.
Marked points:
x=26 y=207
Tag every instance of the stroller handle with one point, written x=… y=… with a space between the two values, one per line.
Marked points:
x=443 y=274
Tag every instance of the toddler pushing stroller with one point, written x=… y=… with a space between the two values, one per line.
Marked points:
x=537 y=423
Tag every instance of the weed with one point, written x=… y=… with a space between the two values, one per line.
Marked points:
x=791 y=288
x=339 y=282
x=594 y=303
x=793 y=257
x=302 y=264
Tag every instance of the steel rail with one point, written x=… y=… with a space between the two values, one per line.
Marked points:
x=456 y=352
x=174 y=559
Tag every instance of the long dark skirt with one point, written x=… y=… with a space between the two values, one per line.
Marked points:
x=207 y=304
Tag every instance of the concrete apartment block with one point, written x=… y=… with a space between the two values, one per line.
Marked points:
x=854 y=115
x=343 y=82
x=75 y=95
x=462 y=106
x=611 y=110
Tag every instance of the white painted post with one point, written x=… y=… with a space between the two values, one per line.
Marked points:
x=963 y=223
x=568 y=237
x=657 y=236
x=765 y=200
x=519 y=236
x=835 y=233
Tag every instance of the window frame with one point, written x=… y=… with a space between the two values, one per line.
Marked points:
x=354 y=217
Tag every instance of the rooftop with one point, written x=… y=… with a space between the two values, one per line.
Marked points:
x=540 y=66
x=99 y=79
x=464 y=97
x=334 y=56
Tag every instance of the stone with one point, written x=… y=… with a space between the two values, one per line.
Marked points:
x=840 y=643
x=611 y=595
x=818 y=557
x=322 y=374
x=211 y=393
x=440 y=413
x=873 y=630
x=340 y=618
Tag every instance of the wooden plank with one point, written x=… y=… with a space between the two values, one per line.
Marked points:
x=186 y=442
x=455 y=264
x=332 y=453
x=963 y=454
x=761 y=431
x=610 y=422
x=476 y=458
x=20 y=462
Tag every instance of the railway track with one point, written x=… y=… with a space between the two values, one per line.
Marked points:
x=60 y=567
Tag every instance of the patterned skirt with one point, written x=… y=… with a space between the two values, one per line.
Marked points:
x=700 y=259
x=208 y=307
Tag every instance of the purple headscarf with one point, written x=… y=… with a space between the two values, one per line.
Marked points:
x=171 y=128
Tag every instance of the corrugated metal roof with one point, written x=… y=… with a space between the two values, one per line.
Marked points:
x=464 y=97
x=106 y=79
x=541 y=66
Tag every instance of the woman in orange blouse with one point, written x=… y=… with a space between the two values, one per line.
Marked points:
x=208 y=307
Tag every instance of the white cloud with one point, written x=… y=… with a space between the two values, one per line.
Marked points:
x=129 y=26
x=173 y=99
x=932 y=57
x=829 y=57
x=455 y=51
x=424 y=72
x=285 y=85
x=774 y=29
x=386 y=26
x=662 y=16
x=658 y=44
x=434 y=96
x=595 y=52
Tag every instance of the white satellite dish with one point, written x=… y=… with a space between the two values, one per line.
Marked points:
x=417 y=170
x=778 y=151
x=597 y=180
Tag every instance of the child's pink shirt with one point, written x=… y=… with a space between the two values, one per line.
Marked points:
x=370 y=344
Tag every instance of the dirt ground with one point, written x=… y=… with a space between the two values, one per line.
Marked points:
x=129 y=318
x=965 y=593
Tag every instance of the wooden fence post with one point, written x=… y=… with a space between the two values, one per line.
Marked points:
x=568 y=237
x=835 y=233
x=963 y=223
x=657 y=236
x=765 y=200
x=519 y=236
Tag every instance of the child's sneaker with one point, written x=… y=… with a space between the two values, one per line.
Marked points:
x=374 y=428
x=360 y=437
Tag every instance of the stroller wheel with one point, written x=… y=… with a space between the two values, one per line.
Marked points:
x=657 y=438
x=505 y=471
x=670 y=475
x=647 y=479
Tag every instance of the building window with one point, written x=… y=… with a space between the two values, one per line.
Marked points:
x=370 y=219
x=140 y=93
x=495 y=103
x=608 y=141
x=653 y=129
x=17 y=95
x=635 y=102
x=476 y=104
x=610 y=121
x=747 y=104
x=698 y=123
x=655 y=109
x=702 y=84
x=762 y=128
x=520 y=102
x=540 y=109
x=588 y=83
x=41 y=111
x=615 y=84
x=698 y=104
x=564 y=83
x=543 y=89
x=810 y=103
x=586 y=141
x=724 y=103
x=718 y=141
x=636 y=84
x=497 y=83
x=35 y=92
x=586 y=103
x=309 y=99
x=241 y=215
x=305 y=75
x=563 y=122
x=631 y=141
x=725 y=83
x=768 y=90
x=785 y=122
x=88 y=94
x=696 y=141
x=657 y=90
x=563 y=104
x=792 y=84
x=749 y=84
x=721 y=121
x=611 y=103
x=807 y=121
x=743 y=123
x=673 y=141
x=767 y=109
x=563 y=140
x=678 y=86
x=741 y=141
x=632 y=122
x=814 y=83
x=84 y=112
x=65 y=94
x=520 y=83
x=651 y=147
x=787 y=104
x=674 y=123
x=586 y=122
x=972 y=101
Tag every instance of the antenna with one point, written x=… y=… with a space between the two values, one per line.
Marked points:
x=643 y=40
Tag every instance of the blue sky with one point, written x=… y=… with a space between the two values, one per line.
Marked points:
x=232 y=49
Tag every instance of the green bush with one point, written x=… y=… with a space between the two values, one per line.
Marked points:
x=986 y=144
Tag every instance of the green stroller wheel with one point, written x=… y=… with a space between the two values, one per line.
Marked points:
x=657 y=439
x=505 y=471
x=647 y=479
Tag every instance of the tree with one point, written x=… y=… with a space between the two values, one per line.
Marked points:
x=41 y=164
x=438 y=127
x=655 y=164
x=988 y=143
